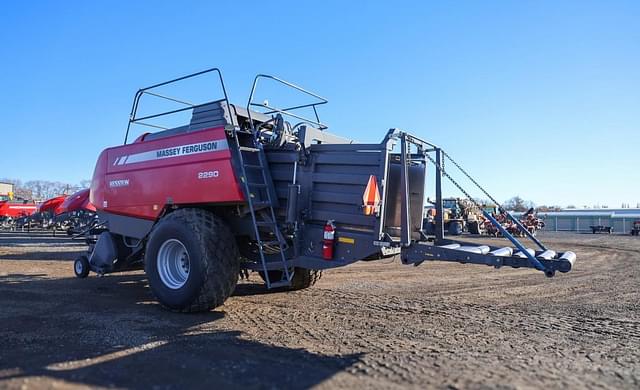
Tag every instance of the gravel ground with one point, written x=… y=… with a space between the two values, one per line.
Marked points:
x=377 y=324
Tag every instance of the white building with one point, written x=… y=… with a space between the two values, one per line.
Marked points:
x=577 y=220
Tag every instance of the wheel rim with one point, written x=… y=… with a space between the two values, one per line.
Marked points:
x=79 y=267
x=173 y=264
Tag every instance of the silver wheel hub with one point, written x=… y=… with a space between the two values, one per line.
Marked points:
x=79 y=267
x=173 y=264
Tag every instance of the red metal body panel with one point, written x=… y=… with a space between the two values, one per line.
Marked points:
x=77 y=201
x=16 y=209
x=139 y=179
x=53 y=205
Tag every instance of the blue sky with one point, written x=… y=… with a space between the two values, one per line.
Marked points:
x=536 y=98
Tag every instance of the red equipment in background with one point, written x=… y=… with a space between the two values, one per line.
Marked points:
x=17 y=209
x=52 y=205
x=76 y=213
x=77 y=201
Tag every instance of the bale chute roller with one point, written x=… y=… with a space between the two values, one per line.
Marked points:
x=237 y=189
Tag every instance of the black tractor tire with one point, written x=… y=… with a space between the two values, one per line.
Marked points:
x=429 y=228
x=474 y=227
x=302 y=278
x=208 y=247
x=81 y=267
x=455 y=228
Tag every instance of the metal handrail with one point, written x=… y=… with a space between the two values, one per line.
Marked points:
x=286 y=111
x=142 y=91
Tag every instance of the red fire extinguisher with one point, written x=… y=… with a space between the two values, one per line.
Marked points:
x=329 y=240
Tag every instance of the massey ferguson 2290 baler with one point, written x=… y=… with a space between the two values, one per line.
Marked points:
x=242 y=189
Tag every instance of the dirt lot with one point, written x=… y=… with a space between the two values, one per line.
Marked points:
x=381 y=325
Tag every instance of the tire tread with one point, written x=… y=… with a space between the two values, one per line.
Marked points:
x=220 y=258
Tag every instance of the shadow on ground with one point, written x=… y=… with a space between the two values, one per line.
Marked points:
x=11 y=239
x=44 y=255
x=110 y=332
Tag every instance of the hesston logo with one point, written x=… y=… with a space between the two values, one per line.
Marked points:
x=119 y=183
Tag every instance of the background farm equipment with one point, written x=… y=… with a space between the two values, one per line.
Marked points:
x=528 y=224
x=635 y=230
x=15 y=212
x=47 y=212
x=72 y=214
x=43 y=216
x=76 y=213
x=460 y=215
x=602 y=229
x=531 y=222
x=242 y=189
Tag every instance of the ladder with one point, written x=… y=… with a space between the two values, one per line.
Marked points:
x=259 y=194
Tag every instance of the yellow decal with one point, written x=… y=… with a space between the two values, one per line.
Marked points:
x=346 y=240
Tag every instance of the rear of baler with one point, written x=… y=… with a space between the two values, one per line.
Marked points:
x=240 y=189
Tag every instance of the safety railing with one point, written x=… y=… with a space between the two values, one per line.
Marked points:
x=133 y=119
x=287 y=111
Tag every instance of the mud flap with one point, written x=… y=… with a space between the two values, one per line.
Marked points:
x=104 y=254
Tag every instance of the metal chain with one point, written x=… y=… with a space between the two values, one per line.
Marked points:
x=519 y=225
x=472 y=180
x=441 y=169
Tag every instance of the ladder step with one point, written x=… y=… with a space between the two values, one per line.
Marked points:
x=261 y=203
x=260 y=185
x=281 y=283
x=271 y=242
x=265 y=223
x=253 y=166
x=248 y=149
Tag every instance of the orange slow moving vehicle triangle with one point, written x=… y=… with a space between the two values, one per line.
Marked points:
x=371 y=196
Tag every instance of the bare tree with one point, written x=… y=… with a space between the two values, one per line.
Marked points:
x=544 y=208
x=44 y=189
x=518 y=204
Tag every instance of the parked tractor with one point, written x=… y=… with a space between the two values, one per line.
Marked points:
x=460 y=215
x=239 y=189
x=635 y=229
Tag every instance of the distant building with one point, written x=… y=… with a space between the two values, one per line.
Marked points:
x=6 y=189
x=579 y=220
